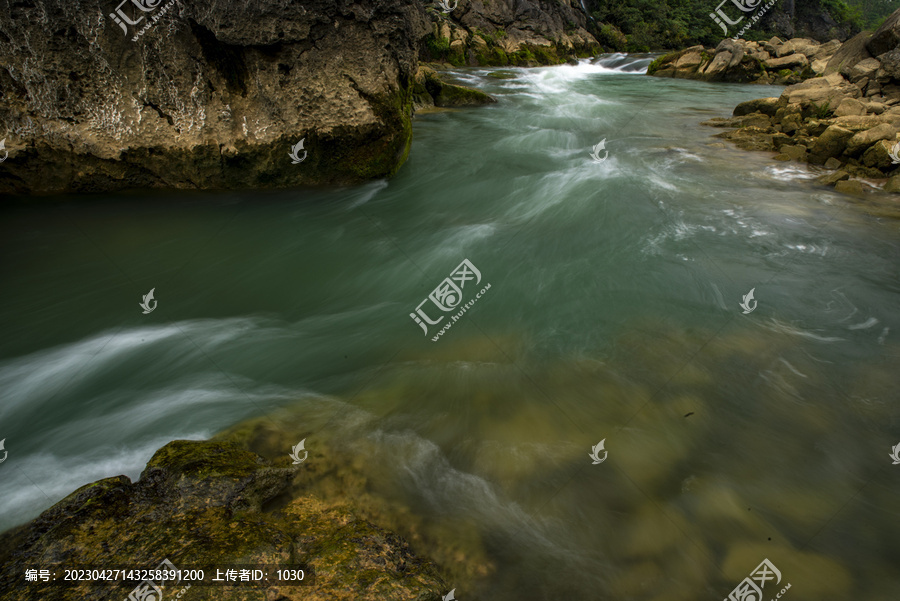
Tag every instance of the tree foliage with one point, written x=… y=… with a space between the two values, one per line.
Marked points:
x=665 y=24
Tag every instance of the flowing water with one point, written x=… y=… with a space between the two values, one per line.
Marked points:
x=613 y=314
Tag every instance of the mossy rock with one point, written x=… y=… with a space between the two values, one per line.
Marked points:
x=446 y=94
x=204 y=505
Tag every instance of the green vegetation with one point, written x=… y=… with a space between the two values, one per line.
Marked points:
x=821 y=111
x=642 y=25
x=872 y=13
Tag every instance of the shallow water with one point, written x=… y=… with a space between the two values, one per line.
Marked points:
x=613 y=314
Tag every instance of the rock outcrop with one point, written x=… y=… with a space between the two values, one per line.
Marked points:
x=208 y=505
x=206 y=94
x=430 y=90
x=743 y=61
x=507 y=32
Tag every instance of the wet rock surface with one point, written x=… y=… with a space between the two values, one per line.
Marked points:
x=206 y=94
x=208 y=504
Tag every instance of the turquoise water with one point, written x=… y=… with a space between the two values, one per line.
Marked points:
x=613 y=314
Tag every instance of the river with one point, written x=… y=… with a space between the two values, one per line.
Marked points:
x=613 y=314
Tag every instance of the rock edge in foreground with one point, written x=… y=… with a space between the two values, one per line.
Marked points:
x=207 y=504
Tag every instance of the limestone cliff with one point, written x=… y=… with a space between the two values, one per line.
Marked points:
x=509 y=32
x=103 y=95
x=204 y=94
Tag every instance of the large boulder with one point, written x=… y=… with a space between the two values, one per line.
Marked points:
x=852 y=52
x=860 y=141
x=790 y=61
x=864 y=69
x=850 y=106
x=691 y=59
x=206 y=94
x=728 y=54
x=886 y=37
x=798 y=45
x=879 y=155
x=890 y=65
x=827 y=50
x=766 y=106
x=830 y=144
x=819 y=91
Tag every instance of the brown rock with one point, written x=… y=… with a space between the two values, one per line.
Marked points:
x=772 y=45
x=826 y=50
x=890 y=65
x=893 y=185
x=832 y=163
x=857 y=123
x=791 y=61
x=796 y=152
x=752 y=120
x=830 y=144
x=886 y=37
x=766 y=106
x=850 y=106
x=818 y=66
x=780 y=139
x=750 y=138
x=782 y=157
x=798 y=46
x=850 y=53
x=830 y=89
x=830 y=179
x=862 y=140
x=692 y=58
x=864 y=69
x=791 y=123
x=879 y=155
x=853 y=187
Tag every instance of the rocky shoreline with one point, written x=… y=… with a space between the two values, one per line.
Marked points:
x=841 y=111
